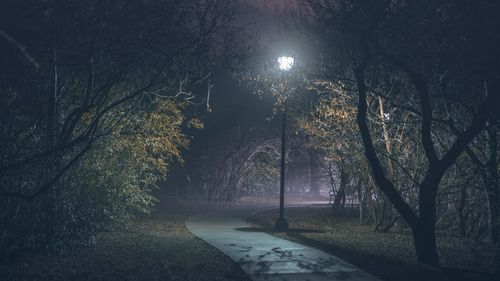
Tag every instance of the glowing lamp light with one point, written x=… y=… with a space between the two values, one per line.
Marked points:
x=285 y=63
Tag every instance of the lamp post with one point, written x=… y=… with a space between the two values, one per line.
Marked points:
x=284 y=64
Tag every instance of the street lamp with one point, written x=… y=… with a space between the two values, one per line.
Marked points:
x=284 y=64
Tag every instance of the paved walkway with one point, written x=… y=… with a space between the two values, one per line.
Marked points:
x=266 y=257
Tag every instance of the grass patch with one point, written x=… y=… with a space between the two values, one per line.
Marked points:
x=155 y=248
x=389 y=256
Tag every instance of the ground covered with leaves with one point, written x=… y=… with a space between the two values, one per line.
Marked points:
x=389 y=256
x=154 y=248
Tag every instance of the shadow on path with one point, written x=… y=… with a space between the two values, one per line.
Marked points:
x=266 y=257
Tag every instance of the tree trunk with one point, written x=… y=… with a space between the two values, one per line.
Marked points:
x=489 y=178
x=462 y=217
x=340 y=196
x=492 y=188
x=493 y=220
x=387 y=140
x=361 y=200
x=313 y=172
x=423 y=226
x=424 y=238
x=424 y=234
x=51 y=164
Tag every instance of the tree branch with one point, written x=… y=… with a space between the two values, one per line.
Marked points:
x=378 y=173
x=21 y=48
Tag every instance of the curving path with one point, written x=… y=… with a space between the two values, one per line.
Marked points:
x=266 y=257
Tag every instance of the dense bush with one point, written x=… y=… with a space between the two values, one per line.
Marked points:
x=93 y=102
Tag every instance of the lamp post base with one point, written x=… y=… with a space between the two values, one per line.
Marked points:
x=281 y=224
